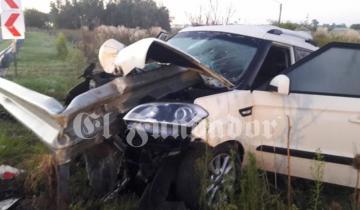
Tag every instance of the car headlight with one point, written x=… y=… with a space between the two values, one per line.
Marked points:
x=179 y=114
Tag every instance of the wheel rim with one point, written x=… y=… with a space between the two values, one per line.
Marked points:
x=222 y=179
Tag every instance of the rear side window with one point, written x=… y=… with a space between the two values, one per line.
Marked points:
x=301 y=53
x=335 y=71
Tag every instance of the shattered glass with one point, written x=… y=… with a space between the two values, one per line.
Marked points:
x=228 y=55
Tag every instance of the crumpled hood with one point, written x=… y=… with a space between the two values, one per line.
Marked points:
x=140 y=53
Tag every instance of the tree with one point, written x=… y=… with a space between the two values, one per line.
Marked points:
x=355 y=26
x=35 y=18
x=65 y=14
x=137 y=13
x=314 y=24
x=213 y=14
x=91 y=13
x=61 y=47
x=287 y=25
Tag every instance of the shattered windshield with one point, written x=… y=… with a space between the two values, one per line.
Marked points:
x=227 y=54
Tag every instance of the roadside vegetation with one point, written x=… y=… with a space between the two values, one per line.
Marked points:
x=326 y=33
x=322 y=36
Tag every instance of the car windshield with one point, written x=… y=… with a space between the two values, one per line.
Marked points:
x=227 y=54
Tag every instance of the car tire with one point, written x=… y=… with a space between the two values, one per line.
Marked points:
x=224 y=174
x=190 y=185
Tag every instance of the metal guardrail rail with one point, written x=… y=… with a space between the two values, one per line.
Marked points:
x=7 y=57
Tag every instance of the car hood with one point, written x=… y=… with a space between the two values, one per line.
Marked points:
x=148 y=50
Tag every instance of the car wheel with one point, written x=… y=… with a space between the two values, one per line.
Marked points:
x=224 y=174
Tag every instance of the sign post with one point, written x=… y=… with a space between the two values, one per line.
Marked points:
x=12 y=19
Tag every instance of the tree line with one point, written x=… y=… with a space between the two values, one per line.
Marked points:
x=74 y=14
x=313 y=25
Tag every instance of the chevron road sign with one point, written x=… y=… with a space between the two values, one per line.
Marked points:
x=10 y=4
x=12 y=19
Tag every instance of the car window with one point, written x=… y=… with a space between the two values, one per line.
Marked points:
x=334 y=71
x=277 y=60
x=301 y=53
x=227 y=54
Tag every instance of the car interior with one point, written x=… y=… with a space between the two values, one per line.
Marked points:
x=277 y=60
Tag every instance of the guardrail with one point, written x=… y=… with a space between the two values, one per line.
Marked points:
x=7 y=57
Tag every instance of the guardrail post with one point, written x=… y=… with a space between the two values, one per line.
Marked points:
x=62 y=184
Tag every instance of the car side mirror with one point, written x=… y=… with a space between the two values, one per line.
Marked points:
x=164 y=36
x=281 y=84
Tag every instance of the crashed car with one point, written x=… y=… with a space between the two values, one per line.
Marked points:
x=144 y=120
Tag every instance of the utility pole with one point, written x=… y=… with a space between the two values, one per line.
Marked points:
x=280 y=13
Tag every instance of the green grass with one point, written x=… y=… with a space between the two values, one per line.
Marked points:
x=17 y=144
x=4 y=44
x=40 y=69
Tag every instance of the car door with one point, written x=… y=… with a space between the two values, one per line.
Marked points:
x=321 y=115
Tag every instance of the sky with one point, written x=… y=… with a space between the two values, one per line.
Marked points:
x=256 y=11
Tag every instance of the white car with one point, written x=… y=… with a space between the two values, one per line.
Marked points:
x=311 y=108
x=208 y=84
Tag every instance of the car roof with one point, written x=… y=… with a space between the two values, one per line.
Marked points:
x=267 y=32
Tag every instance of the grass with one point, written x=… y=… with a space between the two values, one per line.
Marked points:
x=17 y=144
x=40 y=69
x=258 y=191
x=323 y=36
x=4 y=44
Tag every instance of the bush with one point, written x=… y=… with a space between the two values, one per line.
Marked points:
x=61 y=47
x=77 y=59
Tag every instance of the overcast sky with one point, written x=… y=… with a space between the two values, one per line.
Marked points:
x=257 y=11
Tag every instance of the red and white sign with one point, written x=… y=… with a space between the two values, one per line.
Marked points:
x=12 y=25
x=12 y=20
x=10 y=5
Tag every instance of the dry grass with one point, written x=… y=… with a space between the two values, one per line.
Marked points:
x=322 y=36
